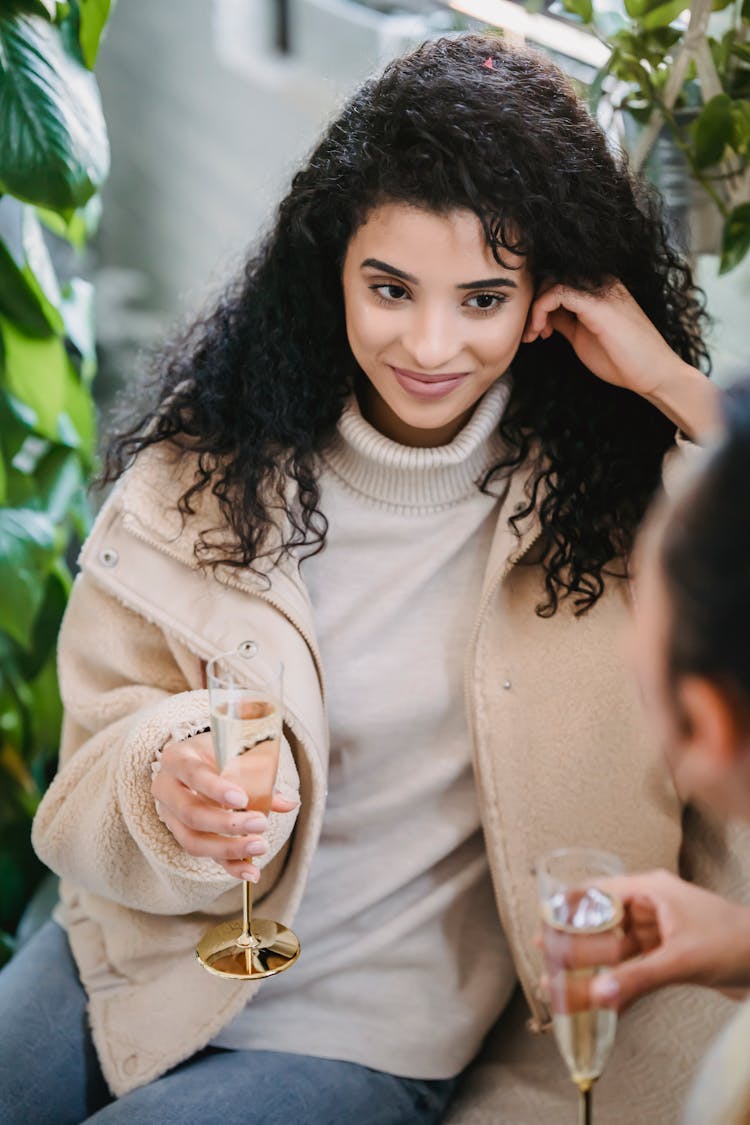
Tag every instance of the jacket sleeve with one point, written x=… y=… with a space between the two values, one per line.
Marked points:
x=127 y=689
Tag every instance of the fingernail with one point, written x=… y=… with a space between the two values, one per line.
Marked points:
x=256 y=847
x=236 y=798
x=605 y=989
x=290 y=800
x=255 y=823
x=250 y=875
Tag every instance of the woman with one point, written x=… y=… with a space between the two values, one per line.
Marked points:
x=338 y=465
x=690 y=645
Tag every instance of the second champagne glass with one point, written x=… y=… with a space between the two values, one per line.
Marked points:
x=245 y=699
x=581 y=925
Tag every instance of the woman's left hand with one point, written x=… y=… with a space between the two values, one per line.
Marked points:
x=616 y=341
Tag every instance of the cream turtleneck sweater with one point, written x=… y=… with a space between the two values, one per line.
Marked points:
x=404 y=966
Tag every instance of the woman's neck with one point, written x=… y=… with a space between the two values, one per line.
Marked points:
x=382 y=418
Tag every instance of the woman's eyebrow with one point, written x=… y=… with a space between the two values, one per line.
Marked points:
x=376 y=264
x=488 y=283
x=485 y=283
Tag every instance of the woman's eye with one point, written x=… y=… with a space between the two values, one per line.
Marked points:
x=485 y=302
x=390 y=292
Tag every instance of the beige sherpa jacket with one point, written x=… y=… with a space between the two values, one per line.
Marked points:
x=561 y=752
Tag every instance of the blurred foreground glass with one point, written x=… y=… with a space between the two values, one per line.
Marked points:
x=245 y=699
x=581 y=926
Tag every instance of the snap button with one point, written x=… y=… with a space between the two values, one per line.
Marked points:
x=130 y=1066
x=507 y=685
x=109 y=557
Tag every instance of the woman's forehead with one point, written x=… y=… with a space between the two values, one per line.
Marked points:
x=454 y=239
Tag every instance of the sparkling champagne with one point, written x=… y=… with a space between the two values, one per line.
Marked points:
x=247 y=735
x=577 y=926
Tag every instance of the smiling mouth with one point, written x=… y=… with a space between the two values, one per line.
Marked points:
x=420 y=377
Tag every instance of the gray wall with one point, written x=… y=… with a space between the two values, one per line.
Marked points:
x=199 y=154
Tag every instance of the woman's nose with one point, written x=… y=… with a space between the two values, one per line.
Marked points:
x=431 y=339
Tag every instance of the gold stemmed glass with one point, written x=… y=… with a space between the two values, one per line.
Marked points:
x=581 y=928
x=245 y=699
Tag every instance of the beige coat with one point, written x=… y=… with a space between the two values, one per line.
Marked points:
x=561 y=756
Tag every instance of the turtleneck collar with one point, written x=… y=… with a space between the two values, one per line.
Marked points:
x=416 y=478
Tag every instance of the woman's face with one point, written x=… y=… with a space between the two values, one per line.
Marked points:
x=694 y=719
x=431 y=317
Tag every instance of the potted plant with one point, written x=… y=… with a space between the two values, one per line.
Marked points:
x=53 y=158
x=687 y=79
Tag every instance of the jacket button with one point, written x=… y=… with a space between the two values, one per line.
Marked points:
x=507 y=685
x=130 y=1066
x=109 y=557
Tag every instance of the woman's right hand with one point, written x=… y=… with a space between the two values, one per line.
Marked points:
x=206 y=814
x=674 y=933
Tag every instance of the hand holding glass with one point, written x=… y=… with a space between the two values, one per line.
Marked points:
x=246 y=722
x=580 y=929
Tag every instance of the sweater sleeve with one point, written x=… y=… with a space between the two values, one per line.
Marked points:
x=128 y=689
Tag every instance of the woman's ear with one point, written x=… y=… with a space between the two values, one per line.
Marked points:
x=713 y=741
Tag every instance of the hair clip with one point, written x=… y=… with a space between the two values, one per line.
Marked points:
x=489 y=63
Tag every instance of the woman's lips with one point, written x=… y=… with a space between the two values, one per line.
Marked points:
x=428 y=386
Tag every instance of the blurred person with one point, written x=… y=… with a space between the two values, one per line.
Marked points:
x=691 y=629
x=408 y=451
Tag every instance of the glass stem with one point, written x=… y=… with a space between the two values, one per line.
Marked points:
x=585 y=1115
x=246 y=937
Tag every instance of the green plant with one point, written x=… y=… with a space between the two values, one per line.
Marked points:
x=682 y=76
x=54 y=156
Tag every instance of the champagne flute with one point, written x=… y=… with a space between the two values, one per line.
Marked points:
x=581 y=926
x=245 y=699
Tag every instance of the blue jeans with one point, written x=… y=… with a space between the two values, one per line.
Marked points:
x=49 y=1073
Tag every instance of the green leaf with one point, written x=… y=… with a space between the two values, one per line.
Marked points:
x=93 y=15
x=746 y=10
x=720 y=5
x=12 y=723
x=78 y=313
x=3 y=480
x=49 y=618
x=628 y=69
x=27 y=553
x=45 y=8
x=59 y=479
x=20 y=870
x=582 y=8
x=39 y=271
x=712 y=131
x=40 y=375
x=76 y=227
x=740 y=139
x=30 y=454
x=46 y=709
x=663 y=14
x=55 y=152
x=736 y=240
x=13 y=430
x=19 y=297
x=636 y=8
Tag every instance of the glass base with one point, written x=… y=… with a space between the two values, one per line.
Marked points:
x=273 y=949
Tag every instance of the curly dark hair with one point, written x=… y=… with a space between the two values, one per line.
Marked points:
x=256 y=387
